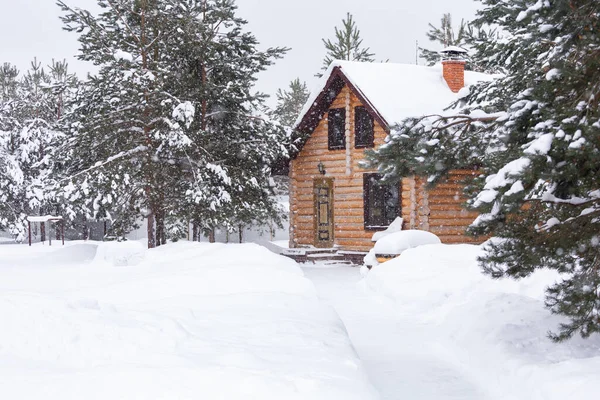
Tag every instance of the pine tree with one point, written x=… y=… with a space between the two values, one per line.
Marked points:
x=445 y=36
x=64 y=88
x=234 y=126
x=170 y=126
x=288 y=108
x=11 y=175
x=538 y=145
x=468 y=36
x=27 y=133
x=290 y=102
x=346 y=45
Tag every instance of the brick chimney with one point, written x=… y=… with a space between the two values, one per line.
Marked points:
x=453 y=64
x=454 y=74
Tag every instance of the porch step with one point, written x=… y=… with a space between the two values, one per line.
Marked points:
x=310 y=250
x=354 y=257
x=327 y=256
x=342 y=262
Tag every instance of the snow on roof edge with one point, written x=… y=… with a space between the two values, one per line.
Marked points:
x=314 y=93
x=454 y=49
x=424 y=87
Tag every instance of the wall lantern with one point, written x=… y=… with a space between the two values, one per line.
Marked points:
x=321 y=168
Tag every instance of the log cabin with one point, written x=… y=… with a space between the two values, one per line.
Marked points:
x=334 y=203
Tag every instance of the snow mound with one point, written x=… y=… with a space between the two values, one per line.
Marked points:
x=397 y=242
x=73 y=254
x=493 y=330
x=188 y=320
x=42 y=255
x=395 y=226
x=120 y=254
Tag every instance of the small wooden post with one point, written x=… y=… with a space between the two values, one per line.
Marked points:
x=29 y=229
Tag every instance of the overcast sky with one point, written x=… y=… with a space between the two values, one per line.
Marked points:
x=31 y=28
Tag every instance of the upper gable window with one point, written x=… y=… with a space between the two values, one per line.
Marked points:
x=363 y=128
x=336 y=121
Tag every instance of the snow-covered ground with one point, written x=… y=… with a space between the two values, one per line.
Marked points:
x=429 y=325
x=184 y=321
x=197 y=320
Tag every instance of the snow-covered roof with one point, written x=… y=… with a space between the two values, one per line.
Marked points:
x=394 y=91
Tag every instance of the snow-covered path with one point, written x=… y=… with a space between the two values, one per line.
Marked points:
x=404 y=359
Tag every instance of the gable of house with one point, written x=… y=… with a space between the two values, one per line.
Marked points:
x=334 y=204
x=342 y=169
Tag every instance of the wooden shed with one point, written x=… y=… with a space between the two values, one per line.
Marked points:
x=336 y=203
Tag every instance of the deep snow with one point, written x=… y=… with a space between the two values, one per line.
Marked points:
x=194 y=320
x=429 y=325
x=400 y=354
x=397 y=242
x=184 y=321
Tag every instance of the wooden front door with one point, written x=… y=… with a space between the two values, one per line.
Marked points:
x=323 y=193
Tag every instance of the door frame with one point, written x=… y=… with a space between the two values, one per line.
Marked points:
x=323 y=183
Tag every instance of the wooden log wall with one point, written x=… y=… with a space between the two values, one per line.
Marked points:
x=441 y=209
x=448 y=218
x=343 y=167
x=438 y=210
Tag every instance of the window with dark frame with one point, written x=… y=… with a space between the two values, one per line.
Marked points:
x=336 y=122
x=381 y=202
x=363 y=128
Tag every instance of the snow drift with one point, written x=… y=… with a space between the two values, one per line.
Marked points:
x=185 y=321
x=493 y=330
x=397 y=242
x=120 y=253
x=394 y=243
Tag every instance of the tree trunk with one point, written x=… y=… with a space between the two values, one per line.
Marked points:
x=43 y=231
x=150 y=231
x=241 y=233
x=161 y=234
x=56 y=229
x=147 y=133
x=158 y=229
x=195 y=232
x=211 y=235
